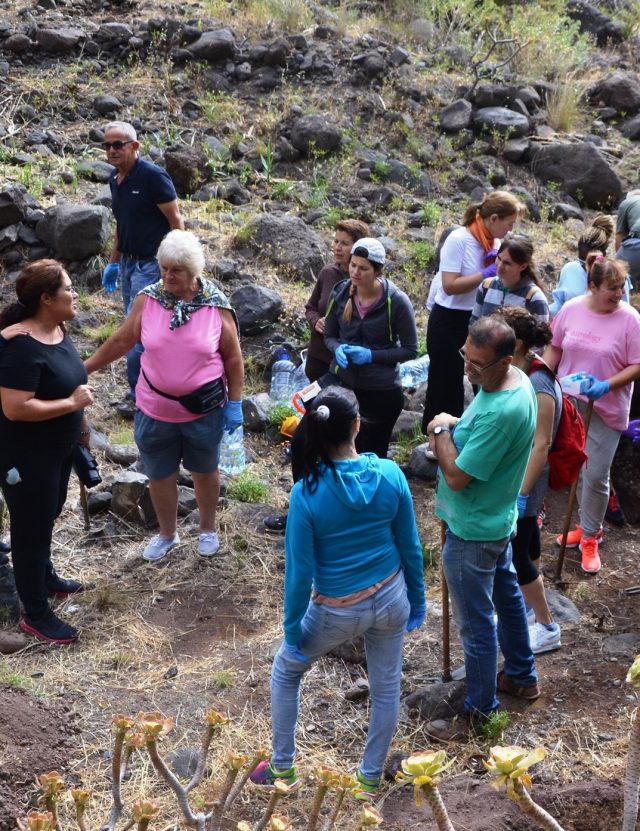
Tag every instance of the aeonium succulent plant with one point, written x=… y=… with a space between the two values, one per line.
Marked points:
x=633 y=676
x=510 y=763
x=153 y=726
x=37 y=821
x=423 y=771
x=51 y=785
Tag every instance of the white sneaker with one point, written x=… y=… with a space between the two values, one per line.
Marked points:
x=159 y=547
x=543 y=639
x=208 y=544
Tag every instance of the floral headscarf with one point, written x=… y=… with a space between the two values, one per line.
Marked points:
x=208 y=295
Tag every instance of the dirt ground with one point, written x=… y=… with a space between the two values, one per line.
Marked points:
x=186 y=633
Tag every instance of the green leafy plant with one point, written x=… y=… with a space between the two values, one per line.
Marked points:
x=248 y=487
x=492 y=728
x=277 y=414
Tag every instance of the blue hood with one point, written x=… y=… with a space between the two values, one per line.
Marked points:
x=356 y=480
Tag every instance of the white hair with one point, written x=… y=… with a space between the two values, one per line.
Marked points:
x=122 y=127
x=184 y=249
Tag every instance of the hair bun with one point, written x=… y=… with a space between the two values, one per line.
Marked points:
x=323 y=412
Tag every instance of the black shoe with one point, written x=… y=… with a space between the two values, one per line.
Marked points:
x=59 y=587
x=275 y=522
x=49 y=628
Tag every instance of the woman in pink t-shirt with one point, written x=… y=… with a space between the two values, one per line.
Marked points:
x=190 y=385
x=598 y=334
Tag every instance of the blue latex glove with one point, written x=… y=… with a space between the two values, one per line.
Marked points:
x=341 y=356
x=521 y=502
x=293 y=650
x=633 y=431
x=417 y=615
x=110 y=276
x=358 y=355
x=594 y=388
x=232 y=415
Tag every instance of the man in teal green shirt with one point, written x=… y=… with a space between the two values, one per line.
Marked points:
x=482 y=457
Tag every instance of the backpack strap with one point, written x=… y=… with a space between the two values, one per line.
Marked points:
x=530 y=294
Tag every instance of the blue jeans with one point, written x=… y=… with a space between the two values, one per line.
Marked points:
x=381 y=619
x=135 y=275
x=481 y=578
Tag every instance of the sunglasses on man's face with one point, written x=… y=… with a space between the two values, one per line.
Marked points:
x=115 y=145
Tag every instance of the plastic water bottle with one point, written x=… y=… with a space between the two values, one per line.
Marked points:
x=232 y=459
x=299 y=377
x=282 y=378
x=415 y=372
x=13 y=476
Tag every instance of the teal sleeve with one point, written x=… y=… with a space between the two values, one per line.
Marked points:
x=406 y=537
x=299 y=565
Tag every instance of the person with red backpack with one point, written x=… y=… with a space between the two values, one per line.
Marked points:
x=532 y=334
x=598 y=334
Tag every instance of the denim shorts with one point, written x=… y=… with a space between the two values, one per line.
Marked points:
x=164 y=444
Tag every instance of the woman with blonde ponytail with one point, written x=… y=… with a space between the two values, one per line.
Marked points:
x=573 y=277
x=467 y=258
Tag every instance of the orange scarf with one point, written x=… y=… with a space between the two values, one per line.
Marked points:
x=479 y=230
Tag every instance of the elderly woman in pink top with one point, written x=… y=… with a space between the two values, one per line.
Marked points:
x=190 y=385
x=599 y=334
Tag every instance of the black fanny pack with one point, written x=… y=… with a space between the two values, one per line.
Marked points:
x=201 y=401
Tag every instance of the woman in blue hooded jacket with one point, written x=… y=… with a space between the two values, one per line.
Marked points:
x=353 y=566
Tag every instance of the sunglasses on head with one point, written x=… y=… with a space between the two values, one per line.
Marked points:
x=115 y=145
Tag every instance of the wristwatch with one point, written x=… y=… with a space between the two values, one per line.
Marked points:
x=441 y=428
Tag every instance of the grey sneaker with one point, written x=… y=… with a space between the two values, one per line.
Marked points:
x=208 y=544
x=159 y=547
x=543 y=639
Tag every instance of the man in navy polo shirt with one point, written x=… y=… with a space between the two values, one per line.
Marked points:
x=145 y=206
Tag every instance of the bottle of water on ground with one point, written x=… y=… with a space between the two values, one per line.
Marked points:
x=282 y=378
x=415 y=372
x=232 y=458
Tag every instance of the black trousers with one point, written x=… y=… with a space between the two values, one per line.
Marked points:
x=34 y=504
x=447 y=331
x=379 y=411
x=525 y=547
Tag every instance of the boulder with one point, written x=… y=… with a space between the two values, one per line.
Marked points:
x=256 y=308
x=502 y=120
x=421 y=465
x=438 y=701
x=59 y=41
x=188 y=169
x=254 y=411
x=8 y=236
x=130 y=499
x=319 y=132
x=563 y=210
x=407 y=424
x=107 y=105
x=631 y=128
x=456 y=116
x=502 y=95
x=595 y=22
x=580 y=170
x=114 y=33
x=515 y=150
x=13 y=205
x=215 y=45
x=290 y=244
x=94 y=170
x=75 y=232
x=18 y=43
x=620 y=90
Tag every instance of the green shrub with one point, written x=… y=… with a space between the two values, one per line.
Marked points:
x=277 y=414
x=248 y=488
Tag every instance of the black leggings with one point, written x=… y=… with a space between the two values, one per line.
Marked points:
x=34 y=504
x=379 y=411
x=526 y=547
x=447 y=331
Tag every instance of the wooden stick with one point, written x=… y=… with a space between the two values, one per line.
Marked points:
x=572 y=500
x=446 y=646
x=85 y=507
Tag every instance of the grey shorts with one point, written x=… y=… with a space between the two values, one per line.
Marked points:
x=164 y=444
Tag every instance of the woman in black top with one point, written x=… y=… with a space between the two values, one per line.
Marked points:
x=43 y=393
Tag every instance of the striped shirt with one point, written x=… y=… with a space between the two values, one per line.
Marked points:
x=492 y=295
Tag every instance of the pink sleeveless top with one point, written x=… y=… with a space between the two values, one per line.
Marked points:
x=177 y=361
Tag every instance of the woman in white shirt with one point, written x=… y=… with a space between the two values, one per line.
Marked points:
x=467 y=258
